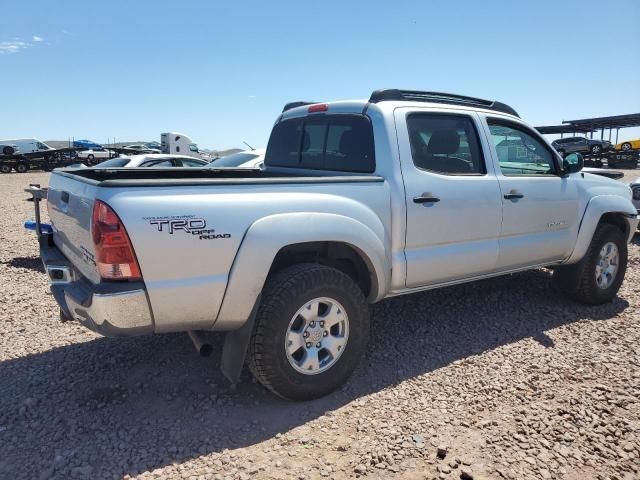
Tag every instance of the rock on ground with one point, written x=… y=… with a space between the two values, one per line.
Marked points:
x=504 y=378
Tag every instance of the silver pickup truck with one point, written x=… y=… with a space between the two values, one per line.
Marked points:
x=358 y=201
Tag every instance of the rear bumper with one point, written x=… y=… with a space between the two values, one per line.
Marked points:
x=115 y=309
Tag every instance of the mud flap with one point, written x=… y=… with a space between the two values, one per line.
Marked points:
x=235 y=347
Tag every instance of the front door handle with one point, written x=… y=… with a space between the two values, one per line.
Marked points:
x=513 y=195
x=426 y=198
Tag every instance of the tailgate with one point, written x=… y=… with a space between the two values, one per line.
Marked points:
x=70 y=203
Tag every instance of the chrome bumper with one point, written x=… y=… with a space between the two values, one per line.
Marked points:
x=114 y=309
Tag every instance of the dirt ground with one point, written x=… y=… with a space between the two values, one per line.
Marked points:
x=504 y=378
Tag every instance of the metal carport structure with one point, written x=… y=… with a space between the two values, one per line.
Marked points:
x=590 y=125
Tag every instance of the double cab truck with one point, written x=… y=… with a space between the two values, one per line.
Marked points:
x=357 y=201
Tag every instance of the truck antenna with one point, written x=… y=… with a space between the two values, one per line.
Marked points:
x=250 y=147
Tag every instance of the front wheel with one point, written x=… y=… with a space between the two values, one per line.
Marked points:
x=596 y=149
x=4 y=168
x=596 y=278
x=311 y=329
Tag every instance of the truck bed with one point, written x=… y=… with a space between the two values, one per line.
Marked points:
x=129 y=177
x=187 y=225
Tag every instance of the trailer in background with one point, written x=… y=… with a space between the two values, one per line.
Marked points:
x=43 y=160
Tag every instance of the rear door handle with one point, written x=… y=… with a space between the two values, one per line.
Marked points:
x=513 y=195
x=426 y=198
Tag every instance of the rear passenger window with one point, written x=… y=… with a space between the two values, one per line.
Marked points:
x=341 y=142
x=446 y=144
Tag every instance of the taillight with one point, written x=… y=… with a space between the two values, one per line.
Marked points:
x=114 y=254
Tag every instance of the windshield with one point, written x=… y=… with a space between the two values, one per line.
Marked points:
x=233 y=160
x=114 y=163
x=193 y=147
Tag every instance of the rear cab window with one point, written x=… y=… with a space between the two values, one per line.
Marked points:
x=337 y=142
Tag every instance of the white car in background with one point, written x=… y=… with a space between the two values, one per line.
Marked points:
x=157 y=160
x=143 y=148
x=94 y=153
x=245 y=159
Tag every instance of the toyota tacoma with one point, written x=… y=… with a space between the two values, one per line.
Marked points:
x=357 y=201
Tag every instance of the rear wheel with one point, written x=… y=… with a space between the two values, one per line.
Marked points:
x=22 y=168
x=626 y=146
x=4 y=168
x=596 y=278
x=596 y=149
x=311 y=329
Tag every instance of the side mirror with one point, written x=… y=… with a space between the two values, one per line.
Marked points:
x=572 y=163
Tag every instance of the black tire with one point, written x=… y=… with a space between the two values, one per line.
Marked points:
x=22 y=168
x=626 y=146
x=8 y=150
x=90 y=157
x=4 y=168
x=579 y=281
x=596 y=149
x=284 y=294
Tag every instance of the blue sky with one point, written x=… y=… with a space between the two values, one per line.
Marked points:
x=220 y=72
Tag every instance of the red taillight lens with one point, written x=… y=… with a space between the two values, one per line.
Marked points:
x=114 y=254
x=318 y=107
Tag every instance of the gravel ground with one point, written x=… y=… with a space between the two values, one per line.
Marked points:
x=499 y=379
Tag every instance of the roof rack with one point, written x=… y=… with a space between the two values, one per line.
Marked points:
x=291 y=105
x=439 y=97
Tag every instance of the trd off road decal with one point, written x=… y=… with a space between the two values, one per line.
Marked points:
x=188 y=224
x=87 y=256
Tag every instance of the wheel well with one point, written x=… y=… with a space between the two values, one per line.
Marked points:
x=338 y=255
x=617 y=220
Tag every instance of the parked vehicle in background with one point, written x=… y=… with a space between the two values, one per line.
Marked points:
x=246 y=159
x=628 y=145
x=635 y=189
x=86 y=145
x=178 y=143
x=27 y=145
x=142 y=148
x=94 y=153
x=157 y=160
x=358 y=201
x=580 y=145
